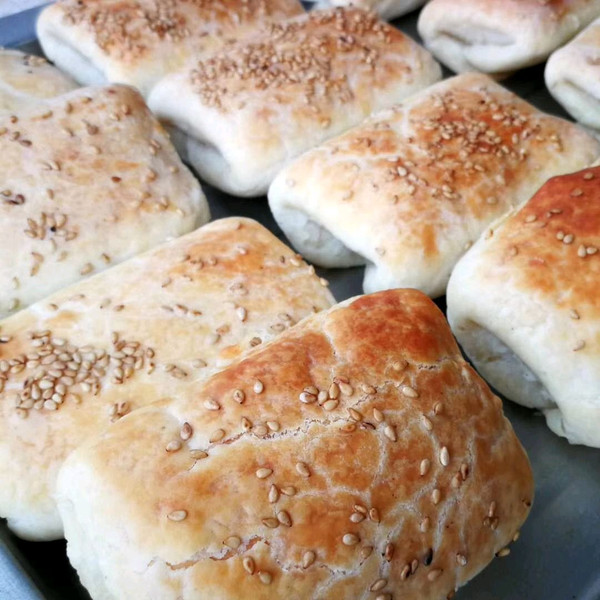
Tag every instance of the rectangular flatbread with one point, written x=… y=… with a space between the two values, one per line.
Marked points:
x=241 y=115
x=143 y=330
x=88 y=179
x=410 y=189
x=573 y=76
x=524 y=304
x=138 y=42
x=501 y=36
x=367 y=454
x=26 y=78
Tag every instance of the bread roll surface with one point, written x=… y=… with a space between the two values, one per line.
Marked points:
x=89 y=179
x=143 y=330
x=366 y=459
x=501 y=36
x=242 y=114
x=408 y=190
x=25 y=78
x=138 y=42
x=524 y=304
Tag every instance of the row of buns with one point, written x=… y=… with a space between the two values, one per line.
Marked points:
x=356 y=454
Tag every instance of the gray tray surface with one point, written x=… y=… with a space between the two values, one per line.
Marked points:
x=558 y=554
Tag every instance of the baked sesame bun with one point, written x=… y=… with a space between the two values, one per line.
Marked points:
x=524 y=304
x=357 y=455
x=138 y=42
x=25 y=79
x=242 y=114
x=89 y=179
x=144 y=330
x=411 y=188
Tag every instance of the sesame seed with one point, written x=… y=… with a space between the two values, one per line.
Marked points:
x=288 y=490
x=357 y=517
x=216 y=436
x=273 y=494
x=177 y=515
x=388 y=552
x=444 y=456
x=378 y=415
x=307 y=398
x=365 y=552
x=258 y=387
x=390 y=433
x=233 y=542
x=186 y=431
x=198 y=454
x=581 y=251
x=576 y=192
x=424 y=467
x=374 y=515
x=516 y=536
x=436 y=496
x=580 y=345
x=334 y=391
x=264 y=472
x=270 y=522
x=273 y=425
x=424 y=526
x=409 y=392
x=504 y=552
x=265 y=577
x=433 y=575
x=173 y=446
x=284 y=518
x=377 y=585
x=574 y=314
x=461 y=560
x=568 y=239
x=303 y=469
x=427 y=423
x=211 y=404
x=248 y=564
x=330 y=405
x=438 y=408
x=308 y=558
x=346 y=389
x=492 y=509
x=239 y=396
x=350 y=539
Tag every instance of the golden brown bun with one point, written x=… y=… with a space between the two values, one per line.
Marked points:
x=411 y=188
x=141 y=331
x=524 y=302
x=139 y=41
x=89 y=179
x=316 y=500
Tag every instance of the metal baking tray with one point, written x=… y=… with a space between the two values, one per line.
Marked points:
x=558 y=554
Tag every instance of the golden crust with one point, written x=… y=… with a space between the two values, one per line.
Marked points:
x=411 y=188
x=89 y=179
x=139 y=41
x=553 y=244
x=395 y=466
x=141 y=331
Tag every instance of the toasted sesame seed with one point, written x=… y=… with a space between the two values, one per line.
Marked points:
x=574 y=314
x=350 y=539
x=303 y=469
x=173 y=446
x=177 y=515
x=427 y=423
x=365 y=552
x=502 y=553
x=436 y=496
x=265 y=577
x=409 y=392
x=197 y=454
x=239 y=396
x=273 y=494
x=461 y=560
x=388 y=552
x=355 y=415
x=273 y=425
x=581 y=251
x=377 y=585
x=577 y=192
x=211 y=404
x=233 y=542
x=516 y=536
x=284 y=518
x=270 y=522
x=438 y=408
x=378 y=415
x=216 y=436
x=264 y=472
x=568 y=239
x=307 y=398
x=346 y=388
x=334 y=391
x=433 y=575
x=248 y=564
x=390 y=433
x=444 y=456
x=374 y=515
x=186 y=431
x=424 y=526
x=330 y=405
x=288 y=490
x=424 y=467
x=492 y=509
x=308 y=558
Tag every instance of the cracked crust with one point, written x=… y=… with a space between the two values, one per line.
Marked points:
x=524 y=304
x=141 y=331
x=138 y=42
x=391 y=392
